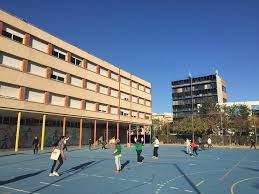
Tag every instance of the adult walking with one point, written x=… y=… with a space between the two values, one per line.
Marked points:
x=117 y=156
x=155 y=150
x=59 y=145
x=65 y=143
x=35 y=144
x=252 y=141
x=209 y=143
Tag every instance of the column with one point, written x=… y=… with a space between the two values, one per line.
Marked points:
x=26 y=40
x=1 y=27
x=94 y=133
x=46 y=98
x=64 y=126
x=144 y=135
x=22 y=93
x=137 y=131
x=129 y=134
x=25 y=65
x=107 y=132
x=66 y=101
x=68 y=57
x=43 y=132
x=84 y=64
x=118 y=130
x=50 y=48
x=17 y=132
x=80 y=132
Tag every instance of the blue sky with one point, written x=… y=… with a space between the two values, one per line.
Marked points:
x=160 y=41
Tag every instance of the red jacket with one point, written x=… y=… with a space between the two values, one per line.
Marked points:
x=194 y=145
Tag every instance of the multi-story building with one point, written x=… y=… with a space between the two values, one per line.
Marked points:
x=162 y=118
x=189 y=93
x=49 y=87
x=253 y=106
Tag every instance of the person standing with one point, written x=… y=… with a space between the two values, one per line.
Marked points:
x=188 y=146
x=142 y=141
x=209 y=143
x=252 y=141
x=138 y=147
x=60 y=146
x=135 y=139
x=65 y=143
x=90 y=143
x=103 y=144
x=117 y=156
x=155 y=150
x=35 y=144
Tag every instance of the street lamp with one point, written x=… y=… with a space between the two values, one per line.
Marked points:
x=190 y=76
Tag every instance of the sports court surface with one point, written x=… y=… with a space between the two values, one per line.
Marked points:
x=216 y=171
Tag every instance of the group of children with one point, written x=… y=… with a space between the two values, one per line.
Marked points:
x=192 y=147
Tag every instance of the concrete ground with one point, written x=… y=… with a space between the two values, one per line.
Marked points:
x=215 y=171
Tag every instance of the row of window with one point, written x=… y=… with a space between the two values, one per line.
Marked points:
x=195 y=80
x=38 y=44
x=196 y=87
x=40 y=70
x=33 y=95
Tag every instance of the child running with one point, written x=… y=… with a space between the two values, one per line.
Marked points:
x=58 y=145
x=138 y=147
x=117 y=156
x=156 y=146
x=188 y=146
x=35 y=144
x=194 y=149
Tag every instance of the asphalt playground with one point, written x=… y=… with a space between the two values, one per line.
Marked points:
x=216 y=171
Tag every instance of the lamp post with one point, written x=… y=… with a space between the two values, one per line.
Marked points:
x=254 y=127
x=190 y=76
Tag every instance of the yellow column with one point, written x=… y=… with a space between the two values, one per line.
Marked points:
x=64 y=126
x=17 y=132
x=43 y=132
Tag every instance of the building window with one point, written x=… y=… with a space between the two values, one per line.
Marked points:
x=114 y=76
x=39 y=45
x=125 y=81
x=147 y=90
x=74 y=103
x=34 y=95
x=59 y=53
x=75 y=60
x=55 y=75
x=103 y=89
x=8 y=90
x=148 y=103
x=13 y=34
x=76 y=81
x=141 y=115
x=104 y=72
x=91 y=85
x=102 y=108
x=114 y=93
x=124 y=112
x=37 y=69
x=141 y=101
x=141 y=87
x=57 y=100
x=114 y=110
x=134 y=114
x=134 y=99
x=125 y=96
x=90 y=106
x=10 y=61
x=135 y=85
x=91 y=67
x=147 y=116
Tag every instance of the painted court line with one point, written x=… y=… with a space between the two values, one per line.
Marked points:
x=174 y=188
x=188 y=191
x=19 y=190
x=44 y=183
x=198 y=184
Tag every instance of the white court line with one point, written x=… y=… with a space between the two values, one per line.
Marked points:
x=44 y=183
x=174 y=188
x=134 y=181
x=188 y=191
x=122 y=179
x=19 y=190
x=110 y=177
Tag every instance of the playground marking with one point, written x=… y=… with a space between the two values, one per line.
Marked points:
x=19 y=190
x=44 y=183
x=236 y=165
x=198 y=184
x=136 y=181
x=174 y=188
x=110 y=177
x=243 y=180
x=188 y=191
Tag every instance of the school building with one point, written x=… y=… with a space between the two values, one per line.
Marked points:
x=49 y=88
